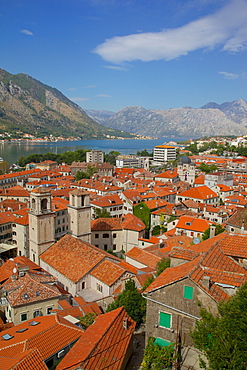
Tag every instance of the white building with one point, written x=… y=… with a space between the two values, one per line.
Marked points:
x=95 y=156
x=164 y=153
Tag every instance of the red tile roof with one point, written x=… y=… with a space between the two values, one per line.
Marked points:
x=200 y=192
x=131 y=222
x=146 y=258
x=103 y=345
x=102 y=224
x=51 y=334
x=108 y=272
x=193 y=224
x=72 y=257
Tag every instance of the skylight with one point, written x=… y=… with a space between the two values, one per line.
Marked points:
x=7 y=337
x=21 y=330
x=34 y=323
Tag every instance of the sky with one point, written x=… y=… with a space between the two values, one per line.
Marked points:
x=111 y=54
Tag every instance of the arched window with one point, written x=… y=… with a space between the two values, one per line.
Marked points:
x=44 y=204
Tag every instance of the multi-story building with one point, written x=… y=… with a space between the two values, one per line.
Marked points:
x=164 y=153
x=95 y=156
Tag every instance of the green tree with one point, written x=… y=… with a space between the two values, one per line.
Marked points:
x=80 y=175
x=218 y=230
x=101 y=213
x=223 y=338
x=111 y=157
x=142 y=211
x=157 y=357
x=4 y=167
x=88 y=319
x=207 y=168
x=193 y=148
x=144 y=153
x=132 y=301
x=162 y=265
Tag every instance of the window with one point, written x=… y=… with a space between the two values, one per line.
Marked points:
x=114 y=235
x=99 y=288
x=48 y=310
x=165 y=320
x=37 y=313
x=105 y=236
x=96 y=236
x=114 y=247
x=105 y=247
x=23 y=316
x=188 y=292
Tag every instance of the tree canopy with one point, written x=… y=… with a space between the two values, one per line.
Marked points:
x=207 y=168
x=132 y=300
x=67 y=157
x=223 y=338
x=157 y=357
x=101 y=213
x=142 y=211
x=218 y=230
x=111 y=157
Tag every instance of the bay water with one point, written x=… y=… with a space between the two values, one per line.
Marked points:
x=11 y=152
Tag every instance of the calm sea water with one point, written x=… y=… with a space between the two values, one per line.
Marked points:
x=11 y=152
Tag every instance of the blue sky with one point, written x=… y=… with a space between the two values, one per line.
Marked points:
x=110 y=54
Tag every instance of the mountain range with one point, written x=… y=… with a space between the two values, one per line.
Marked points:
x=29 y=106
x=210 y=120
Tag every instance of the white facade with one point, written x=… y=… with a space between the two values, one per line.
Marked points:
x=95 y=156
x=164 y=153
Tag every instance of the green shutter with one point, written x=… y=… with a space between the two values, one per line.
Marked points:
x=188 y=292
x=162 y=342
x=165 y=320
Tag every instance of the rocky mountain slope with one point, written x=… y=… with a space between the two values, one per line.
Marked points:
x=29 y=106
x=211 y=119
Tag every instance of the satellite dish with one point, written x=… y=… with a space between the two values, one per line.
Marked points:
x=196 y=240
x=14 y=270
x=161 y=241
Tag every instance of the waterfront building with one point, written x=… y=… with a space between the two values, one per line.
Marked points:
x=164 y=153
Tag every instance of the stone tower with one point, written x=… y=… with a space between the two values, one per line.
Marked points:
x=186 y=170
x=79 y=211
x=41 y=223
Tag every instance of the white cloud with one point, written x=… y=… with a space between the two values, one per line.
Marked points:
x=117 y=68
x=27 y=32
x=77 y=98
x=229 y=76
x=89 y=87
x=227 y=29
x=103 y=96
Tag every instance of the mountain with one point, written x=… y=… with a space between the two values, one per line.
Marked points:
x=211 y=119
x=99 y=115
x=29 y=106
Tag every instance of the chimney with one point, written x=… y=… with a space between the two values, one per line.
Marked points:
x=242 y=227
x=212 y=231
x=125 y=323
x=206 y=282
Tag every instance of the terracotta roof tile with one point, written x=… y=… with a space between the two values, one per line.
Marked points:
x=48 y=336
x=102 y=224
x=72 y=257
x=108 y=272
x=146 y=258
x=103 y=345
x=131 y=222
